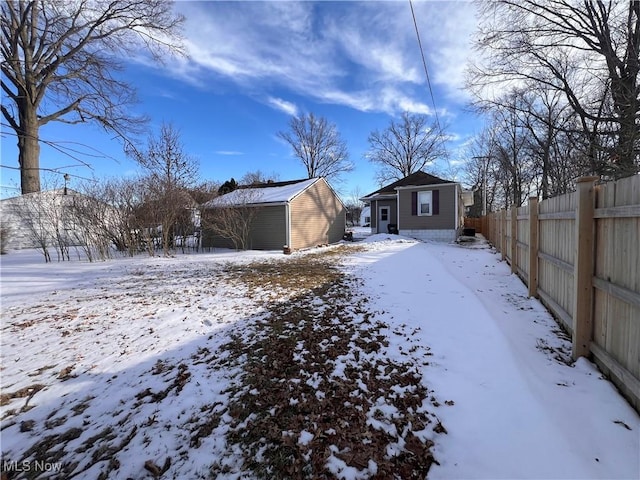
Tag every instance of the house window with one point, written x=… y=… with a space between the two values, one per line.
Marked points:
x=425 y=203
x=384 y=215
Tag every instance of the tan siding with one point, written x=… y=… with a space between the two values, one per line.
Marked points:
x=445 y=220
x=317 y=217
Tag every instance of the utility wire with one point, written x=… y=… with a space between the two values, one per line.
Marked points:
x=426 y=71
x=53 y=170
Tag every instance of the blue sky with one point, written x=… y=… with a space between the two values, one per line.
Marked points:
x=254 y=64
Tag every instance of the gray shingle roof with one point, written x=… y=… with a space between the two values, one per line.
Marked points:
x=415 y=179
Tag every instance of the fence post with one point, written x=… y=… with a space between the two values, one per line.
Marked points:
x=503 y=233
x=493 y=226
x=494 y=229
x=583 y=269
x=514 y=239
x=533 y=246
x=484 y=229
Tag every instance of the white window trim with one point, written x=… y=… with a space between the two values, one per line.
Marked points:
x=430 y=202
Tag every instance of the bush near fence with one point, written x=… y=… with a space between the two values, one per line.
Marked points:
x=579 y=254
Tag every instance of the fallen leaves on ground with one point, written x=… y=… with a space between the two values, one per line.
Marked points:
x=271 y=369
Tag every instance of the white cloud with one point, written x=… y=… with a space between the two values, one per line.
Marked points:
x=363 y=55
x=446 y=30
x=282 y=105
x=373 y=38
x=228 y=152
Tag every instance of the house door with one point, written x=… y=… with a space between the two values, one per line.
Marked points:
x=383 y=219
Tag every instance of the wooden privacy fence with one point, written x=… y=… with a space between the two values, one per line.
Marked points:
x=579 y=254
x=480 y=224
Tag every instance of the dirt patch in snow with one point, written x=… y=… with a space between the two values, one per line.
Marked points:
x=320 y=397
x=267 y=369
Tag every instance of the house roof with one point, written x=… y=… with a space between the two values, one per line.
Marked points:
x=42 y=193
x=416 y=179
x=275 y=192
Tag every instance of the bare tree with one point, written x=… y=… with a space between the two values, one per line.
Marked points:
x=404 y=147
x=231 y=217
x=482 y=172
x=5 y=235
x=257 y=177
x=112 y=208
x=33 y=218
x=102 y=217
x=552 y=148
x=544 y=116
x=92 y=231
x=319 y=146
x=41 y=219
x=204 y=192
x=354 y=206
x=124 y=197
x=587 y=50
x=201 y=194
x=171 y=173
x=57 y=63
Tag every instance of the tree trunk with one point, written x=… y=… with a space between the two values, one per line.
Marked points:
x=626 y=150
x=29 y=149
x=624 y=91
x=545 y=172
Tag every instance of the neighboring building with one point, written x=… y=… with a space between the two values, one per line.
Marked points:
x=36 y=219
x=420 y=205
x=297 y=214
x=365 y=217
x=59 y=218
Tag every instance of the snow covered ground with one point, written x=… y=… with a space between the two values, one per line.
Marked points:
x=519 y=411
x=123 y=369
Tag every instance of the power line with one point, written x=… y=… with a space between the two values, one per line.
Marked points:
x=56 y=170
x=426 y=71
x=60 y=146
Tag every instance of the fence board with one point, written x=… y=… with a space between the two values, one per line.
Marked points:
x=507 y=236
x=621 y=293
x=560 y=313
x=556 y=240
x=630 y=385
x=475 y=223
x=558 y=215
x=615 y=281
x=622 y=211
x=522 y=243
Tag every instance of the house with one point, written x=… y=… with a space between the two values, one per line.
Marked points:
x=365 y=217
x=38 y=219
x=420 y=205
x=59 y=218
x=294 y=214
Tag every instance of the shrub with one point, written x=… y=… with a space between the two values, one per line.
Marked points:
x=5 y=233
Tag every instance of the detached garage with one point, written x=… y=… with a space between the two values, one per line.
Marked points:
x=297 y=214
